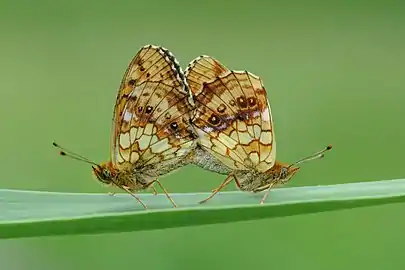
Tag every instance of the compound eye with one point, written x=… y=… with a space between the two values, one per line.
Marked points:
x=107 y=173
x=283 y=173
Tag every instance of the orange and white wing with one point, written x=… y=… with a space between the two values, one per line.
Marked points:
x=234 y=122
x=151 y=122
x=202 y=69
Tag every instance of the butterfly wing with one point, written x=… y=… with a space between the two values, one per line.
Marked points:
x=151 y=121
x=202 y=69
x=234 y=122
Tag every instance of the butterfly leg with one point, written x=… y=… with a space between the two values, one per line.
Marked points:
x=133 y=195
x=154 y=190
x=262 y=188
x=166 y=193
x=236 y=182
x=268 y=191
x=151 y=186
x=111 y=193
x=224 y=184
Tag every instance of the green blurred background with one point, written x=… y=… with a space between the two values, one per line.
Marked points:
x=334 y=73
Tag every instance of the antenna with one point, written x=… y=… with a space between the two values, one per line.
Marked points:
x=73 y=155
x=317 y=155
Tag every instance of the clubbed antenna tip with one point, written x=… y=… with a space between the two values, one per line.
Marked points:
x=73 y=155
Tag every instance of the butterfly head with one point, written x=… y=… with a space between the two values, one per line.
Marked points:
x=280 y=172
x=284 y=172
x=104 y=172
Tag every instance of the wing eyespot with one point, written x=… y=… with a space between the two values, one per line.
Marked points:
x=214 y=120
x=174 y=126
x=242 y=102
x=149 y=109
x=252 y=101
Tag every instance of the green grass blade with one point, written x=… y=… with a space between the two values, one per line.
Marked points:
x=35 y=213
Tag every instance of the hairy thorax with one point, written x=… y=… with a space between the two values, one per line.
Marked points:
x=131 y=179
x=250 y=180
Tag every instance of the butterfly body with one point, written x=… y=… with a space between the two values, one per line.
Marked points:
x=255 y=181
x=126 y=176
x=107 y=174
x=206 y=161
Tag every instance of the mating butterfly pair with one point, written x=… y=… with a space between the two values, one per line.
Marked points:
x=209 y=116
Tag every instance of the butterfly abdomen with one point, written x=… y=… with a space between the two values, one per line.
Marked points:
x=203 y=159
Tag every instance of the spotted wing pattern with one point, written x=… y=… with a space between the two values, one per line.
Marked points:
x=234 y=122
x=151 y=121
x=202 y=69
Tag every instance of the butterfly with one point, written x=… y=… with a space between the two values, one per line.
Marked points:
x=151 y=133
x=235 y=126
